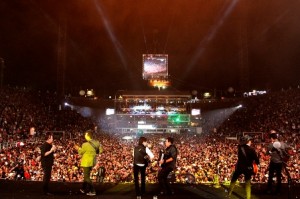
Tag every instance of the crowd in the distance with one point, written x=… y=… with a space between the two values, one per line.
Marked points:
x=200 y=155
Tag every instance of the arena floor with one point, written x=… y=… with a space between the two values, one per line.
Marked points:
x=32 y=190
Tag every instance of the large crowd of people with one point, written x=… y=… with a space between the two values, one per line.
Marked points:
x=202 y=156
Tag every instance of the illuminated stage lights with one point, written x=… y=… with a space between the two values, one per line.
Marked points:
x=159 y=83
x=178 y=118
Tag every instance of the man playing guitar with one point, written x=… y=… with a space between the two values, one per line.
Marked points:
x=168 y=164
x=277 y=151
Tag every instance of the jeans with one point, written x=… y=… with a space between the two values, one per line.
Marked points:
x=163 y=179
x=87 y=182
x=142 y=170
x=275 y=168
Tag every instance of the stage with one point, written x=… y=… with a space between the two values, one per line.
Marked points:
x=32 y=190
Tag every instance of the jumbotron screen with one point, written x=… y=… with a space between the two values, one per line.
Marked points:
x=155 y=66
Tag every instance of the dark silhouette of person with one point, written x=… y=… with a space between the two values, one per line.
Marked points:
x=47 y=160
x=141 y=157
x=244 y=165
x=277 y=151
x=168 y=164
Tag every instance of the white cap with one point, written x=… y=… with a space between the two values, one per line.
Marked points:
x=276 y=145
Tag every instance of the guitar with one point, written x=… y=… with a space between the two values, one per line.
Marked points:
x=255 y=168
x=161 y=158
x=284 y=154
x=76 y=147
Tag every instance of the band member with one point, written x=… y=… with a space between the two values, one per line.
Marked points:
x=277 y=151
x=244 y=165
x=88 y=151
x=168 y=164
x=47 y=160
x=141 y=156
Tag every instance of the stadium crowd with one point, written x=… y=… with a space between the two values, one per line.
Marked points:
x=202 y=155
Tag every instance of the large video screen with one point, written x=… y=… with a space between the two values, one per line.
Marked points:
x=155 y=66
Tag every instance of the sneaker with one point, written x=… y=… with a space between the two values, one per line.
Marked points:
x=82 y=191
x=48 y=194
x=91 y=193
x=161 y=193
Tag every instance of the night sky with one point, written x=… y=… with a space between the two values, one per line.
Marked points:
x=209 y=42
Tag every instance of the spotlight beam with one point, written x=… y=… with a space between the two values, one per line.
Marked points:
x=110 y=33
x=210 y=36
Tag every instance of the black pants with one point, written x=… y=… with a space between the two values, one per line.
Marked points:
x=163 y=179
x=46 y=178
x=239 y=171
x=275 y=168
x=87 y=185
x=247 y=173
x=142 y=170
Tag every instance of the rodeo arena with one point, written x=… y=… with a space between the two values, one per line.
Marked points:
x=206 y=132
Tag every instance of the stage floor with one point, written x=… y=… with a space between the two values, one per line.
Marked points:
x=33 y=190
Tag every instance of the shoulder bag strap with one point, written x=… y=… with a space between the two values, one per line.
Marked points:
x=93 y=145
x=244 y=152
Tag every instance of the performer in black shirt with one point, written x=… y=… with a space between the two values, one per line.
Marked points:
x=47 y=160
x=168 y=164
x=278 y=152
x=244 y=165
x=141 y=156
